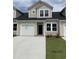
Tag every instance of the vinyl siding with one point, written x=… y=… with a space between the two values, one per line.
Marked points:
x=37 y=12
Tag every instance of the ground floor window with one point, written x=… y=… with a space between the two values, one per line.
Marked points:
x=54 y=27
x=14 y=27
x=51 y=27
x=48 y=27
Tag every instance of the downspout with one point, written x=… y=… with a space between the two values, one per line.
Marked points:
x=58 y=28
x=36 y=13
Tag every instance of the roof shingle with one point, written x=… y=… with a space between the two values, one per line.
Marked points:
x=55 y=15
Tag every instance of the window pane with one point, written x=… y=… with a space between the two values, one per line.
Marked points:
x=14 y=29
x=54 y=29
x=48 y=27
x=14 y=26
x=41 y=12
x=54 y=25
x=46 y=12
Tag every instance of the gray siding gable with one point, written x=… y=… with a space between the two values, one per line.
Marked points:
x=40 y=2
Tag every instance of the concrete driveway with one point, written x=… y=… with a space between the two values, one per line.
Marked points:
x=29 y=47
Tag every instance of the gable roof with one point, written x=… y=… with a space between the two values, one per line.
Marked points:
x=63 y=12
x=55 y=15
x=14 y=8
x=39 y=3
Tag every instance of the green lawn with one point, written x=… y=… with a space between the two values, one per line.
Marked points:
x=55 y=48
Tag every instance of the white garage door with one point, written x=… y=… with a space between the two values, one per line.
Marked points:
x=27 y=30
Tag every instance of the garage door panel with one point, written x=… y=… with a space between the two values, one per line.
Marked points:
x=27 y=30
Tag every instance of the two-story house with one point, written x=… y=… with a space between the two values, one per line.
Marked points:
x=39 y=20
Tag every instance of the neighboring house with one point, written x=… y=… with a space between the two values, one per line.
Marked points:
x=62 y=23
x=40 y=20
x=16 y=13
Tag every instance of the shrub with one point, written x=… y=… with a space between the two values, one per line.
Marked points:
x=57 y=36
x=48 y=36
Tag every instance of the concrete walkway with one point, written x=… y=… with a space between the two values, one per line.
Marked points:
x=29 y=47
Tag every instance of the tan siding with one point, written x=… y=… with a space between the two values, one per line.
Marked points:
x=62 y=28
x=31 y=14
x=14 y=13
x=17 y=14
x=37 y=13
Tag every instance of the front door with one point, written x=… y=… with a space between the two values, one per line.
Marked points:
x=40 y=29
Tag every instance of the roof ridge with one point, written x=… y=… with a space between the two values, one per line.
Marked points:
x=40 y=2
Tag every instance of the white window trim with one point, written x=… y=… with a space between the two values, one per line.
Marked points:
x=43 y=13
x=14 y=13
x=52 y=27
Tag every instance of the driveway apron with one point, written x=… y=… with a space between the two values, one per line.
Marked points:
x=29 y=47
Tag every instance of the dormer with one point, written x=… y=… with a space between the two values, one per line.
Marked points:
x=40 y=10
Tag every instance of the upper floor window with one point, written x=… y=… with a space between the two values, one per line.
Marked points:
x=46 y=12
x=41 y=12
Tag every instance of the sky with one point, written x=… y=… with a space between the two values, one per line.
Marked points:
x=23 y=5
